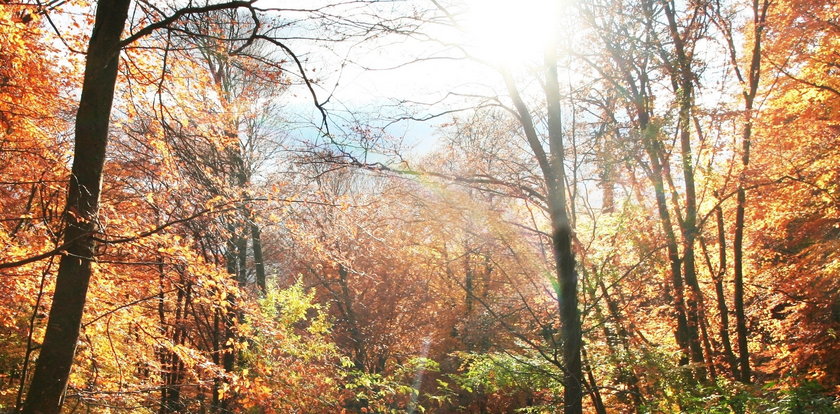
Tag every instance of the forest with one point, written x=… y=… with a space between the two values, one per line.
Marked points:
x=409 y=206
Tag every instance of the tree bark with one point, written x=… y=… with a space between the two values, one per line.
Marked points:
x=684 y=335
x=759 y=20
x=723 y=309
x=594 y=392
x=82 y=212
x=360 y=357
x=561 y=237
x=683 y=79
x=738 y=282
x=468 y=284
x=553 y=172
x=259 y=265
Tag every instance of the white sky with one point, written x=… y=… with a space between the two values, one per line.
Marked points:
x=501 y=32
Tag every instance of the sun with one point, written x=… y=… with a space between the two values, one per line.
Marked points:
x=510 y=33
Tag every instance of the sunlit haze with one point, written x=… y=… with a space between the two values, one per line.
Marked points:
x=510 y=32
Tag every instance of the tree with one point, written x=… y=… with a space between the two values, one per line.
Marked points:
x=749 y=80
x=81 y=214
x=793 y=169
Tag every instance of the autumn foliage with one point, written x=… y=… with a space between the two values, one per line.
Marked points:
x=647 y=220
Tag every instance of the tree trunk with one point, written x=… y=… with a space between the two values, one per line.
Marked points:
x=468 y=285
x=740 y=315
x=81 y=215
x=759 y=20
x=360 y=357
x=683 y=79
x=723 y=309
x=172 y=367
x=553 y=172
x=259 y=265
x=235 y=259
x=627 y=371
x=684 y=335
x=561 y=237
x=594 y=392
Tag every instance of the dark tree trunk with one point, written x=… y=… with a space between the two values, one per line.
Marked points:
x=570 y=319
x=259 y=265
x=360 y=358
x=594 y=392
x=561 y=237
x=215 y=402
x=740 y=315
x=707 y=346
x=81 y=216
x=172 y=368
x=759 y=21
x=235 y=263
x=684 y=335
x=241 y=260
x=749 y=83
x=553 y=171
x=683 y=78
x=627 y=371
x=723 y=309
x=468 y=284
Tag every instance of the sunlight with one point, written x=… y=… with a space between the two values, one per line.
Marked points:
x=511 y=33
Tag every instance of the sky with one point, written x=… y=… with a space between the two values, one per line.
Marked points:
x=398 y=75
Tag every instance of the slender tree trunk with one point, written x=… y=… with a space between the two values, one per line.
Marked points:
x=594 y=392
x=723 y=309
x=750 y=88
x=759 y=21
x=29 y=337
x=259 y=265
x=628 y=372
x=683 y=79
x=707 y=346
x=561 y=237
x=215 y=401
x=468 y=285
x=684 y=335
x=738 y=252
x=179 y=334
x=82 y=213
x=236 y=268
x=695 y=298
x=360 y=359
x=553 y=172
x=616 y=341
x=163 y=353
x=687 y=335
x=171 y=365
